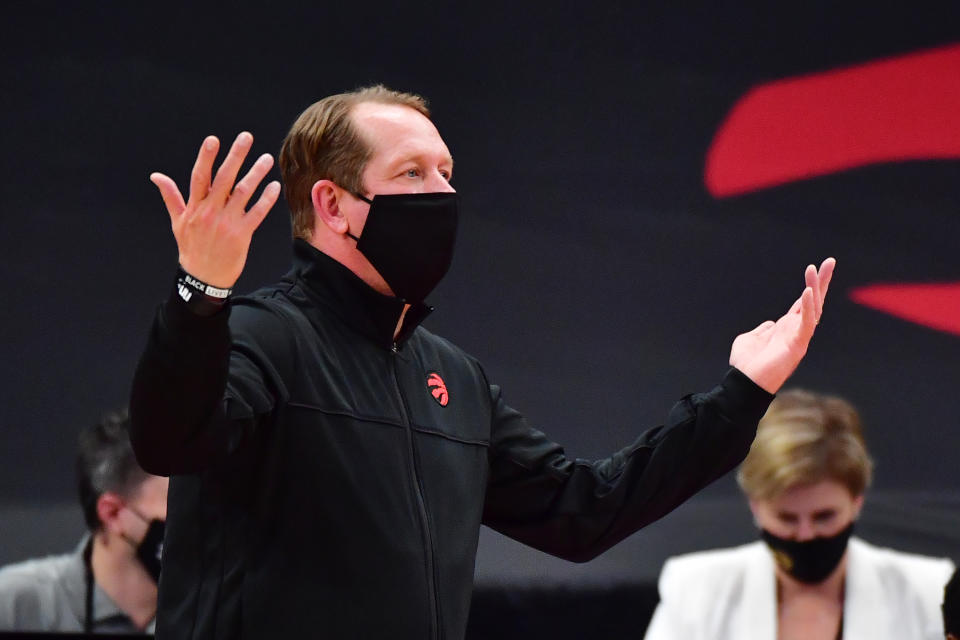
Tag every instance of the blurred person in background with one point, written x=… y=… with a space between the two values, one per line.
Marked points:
x=808 y=578
x=108 y=584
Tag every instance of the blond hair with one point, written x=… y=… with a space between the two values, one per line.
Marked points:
x=805 y=438
x=323 y=143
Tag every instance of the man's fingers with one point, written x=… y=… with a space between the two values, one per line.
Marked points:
x=795 y=307
x=202 y=168
x=245 y=188
x=260 y=210
x=764 y=327
x=170 y=194
x=227 y=173
x=807 y=313
x=825 y=276
x=813 y=282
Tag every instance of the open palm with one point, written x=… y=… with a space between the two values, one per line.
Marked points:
x=213 y=229
x=772 y=351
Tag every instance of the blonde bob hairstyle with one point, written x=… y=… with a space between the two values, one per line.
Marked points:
x=805 y=438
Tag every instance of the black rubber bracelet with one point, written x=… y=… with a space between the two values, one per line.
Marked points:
x=202 y=298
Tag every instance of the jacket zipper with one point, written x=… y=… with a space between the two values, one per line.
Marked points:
x=421 y=503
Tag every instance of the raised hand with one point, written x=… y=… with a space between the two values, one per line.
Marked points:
x=772 y=351
x=213 y=229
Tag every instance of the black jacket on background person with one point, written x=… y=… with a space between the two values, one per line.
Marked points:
x=330 y=482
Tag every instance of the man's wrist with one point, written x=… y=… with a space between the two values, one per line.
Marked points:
x=202 y=298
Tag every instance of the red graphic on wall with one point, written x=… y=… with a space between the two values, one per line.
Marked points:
x=933 y=305
x=902 y=108
x=438 y=389
x=893 y=110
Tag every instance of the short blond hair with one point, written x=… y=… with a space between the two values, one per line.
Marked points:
x=323 y=143
x=805 y=438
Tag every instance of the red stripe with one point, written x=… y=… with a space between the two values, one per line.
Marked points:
x=933 y=305
x=903 y=108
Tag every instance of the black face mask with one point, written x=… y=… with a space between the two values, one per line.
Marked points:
x=150 y=549
x=810 y=561
x=409 y=238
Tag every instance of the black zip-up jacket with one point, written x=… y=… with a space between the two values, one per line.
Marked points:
x=329 y=482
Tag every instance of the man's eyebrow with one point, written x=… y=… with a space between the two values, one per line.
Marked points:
x=401 y=158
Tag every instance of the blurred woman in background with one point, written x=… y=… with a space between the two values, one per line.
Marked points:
x=808 y=578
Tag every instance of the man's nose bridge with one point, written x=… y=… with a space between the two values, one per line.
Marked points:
x=438 y=184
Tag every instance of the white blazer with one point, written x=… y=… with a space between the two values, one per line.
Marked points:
x=731 y=594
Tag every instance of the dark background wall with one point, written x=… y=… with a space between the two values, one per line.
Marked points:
x=595 y=276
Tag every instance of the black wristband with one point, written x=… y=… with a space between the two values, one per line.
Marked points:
x=202 y=298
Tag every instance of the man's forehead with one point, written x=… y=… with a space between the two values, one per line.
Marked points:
x=383 y=111
x=397 y=129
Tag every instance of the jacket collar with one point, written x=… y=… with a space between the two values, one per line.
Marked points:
x=352 y=300
x=759 y=602
x=862 y=618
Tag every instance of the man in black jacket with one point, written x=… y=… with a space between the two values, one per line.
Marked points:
x=332 y=460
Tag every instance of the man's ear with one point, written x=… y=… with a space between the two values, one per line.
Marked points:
x=109 y=505
x=325 y=196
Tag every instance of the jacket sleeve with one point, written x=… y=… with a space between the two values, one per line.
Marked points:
x=577 y=509
x=203 y=384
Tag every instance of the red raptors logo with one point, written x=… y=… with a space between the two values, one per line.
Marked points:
x=438 y=389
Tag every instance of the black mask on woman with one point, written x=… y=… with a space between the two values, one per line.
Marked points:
x=809 y=561
x=409 y=239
